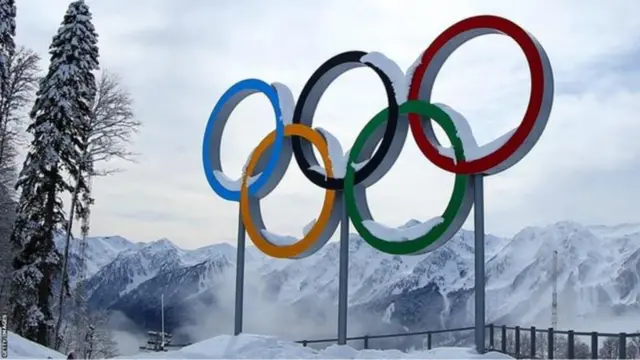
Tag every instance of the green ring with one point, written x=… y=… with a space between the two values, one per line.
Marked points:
x=457 y=197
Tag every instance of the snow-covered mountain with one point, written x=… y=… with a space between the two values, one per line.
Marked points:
x=182 y=287
x=135 y=267
x=598 y=268
x=100 y=251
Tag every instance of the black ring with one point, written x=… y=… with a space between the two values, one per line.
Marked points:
x=306 y=107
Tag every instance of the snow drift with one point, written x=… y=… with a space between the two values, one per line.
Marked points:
x=21 y=348
x=246 y=346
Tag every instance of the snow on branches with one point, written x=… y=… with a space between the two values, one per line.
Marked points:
x=60 y=118
x=7 y=32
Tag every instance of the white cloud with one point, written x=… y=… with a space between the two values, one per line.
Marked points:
x=177 y=58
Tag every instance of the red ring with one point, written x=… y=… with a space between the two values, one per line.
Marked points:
x=536 y=68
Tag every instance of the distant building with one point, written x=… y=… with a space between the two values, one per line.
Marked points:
x=155 y=342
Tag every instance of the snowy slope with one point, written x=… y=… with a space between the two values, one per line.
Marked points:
x=373 y=274
x=21 y=348
x=597 y=269
x=246 y=346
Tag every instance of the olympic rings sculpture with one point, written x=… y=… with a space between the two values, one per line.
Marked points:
x=409 y=107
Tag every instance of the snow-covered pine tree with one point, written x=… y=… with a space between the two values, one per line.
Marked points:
x=7 y=50
x=7 y=32
x=60 y=115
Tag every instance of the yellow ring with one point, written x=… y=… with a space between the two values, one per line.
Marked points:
x=293 y=250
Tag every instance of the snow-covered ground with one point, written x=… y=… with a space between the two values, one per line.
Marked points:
x=21 y=348
x=246 y=346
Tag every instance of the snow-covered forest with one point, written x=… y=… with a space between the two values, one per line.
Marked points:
x=59 y=128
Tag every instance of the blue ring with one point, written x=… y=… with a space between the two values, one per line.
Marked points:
x=251 y=86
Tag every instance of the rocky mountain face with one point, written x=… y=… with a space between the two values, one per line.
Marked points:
x=598 y=268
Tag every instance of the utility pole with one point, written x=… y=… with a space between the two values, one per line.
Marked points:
x=162 y=316
x=554 y=294
x=159 y=341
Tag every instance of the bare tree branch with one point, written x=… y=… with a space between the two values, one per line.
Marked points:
x=107 y=137
x=95 y=340
x=22 y=82
x=113 y=124
x=18 y=86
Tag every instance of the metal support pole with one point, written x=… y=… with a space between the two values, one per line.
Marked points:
x=478 y=220
x=343 y=275
x=162 y=316
x=239 y=276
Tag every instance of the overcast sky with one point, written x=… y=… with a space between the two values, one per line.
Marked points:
x=178 y=57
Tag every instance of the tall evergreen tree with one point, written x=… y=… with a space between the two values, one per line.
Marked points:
x=60 y=116
x=7 y=205
x=7 y=32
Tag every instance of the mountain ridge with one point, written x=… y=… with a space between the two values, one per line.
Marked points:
x=598 y=266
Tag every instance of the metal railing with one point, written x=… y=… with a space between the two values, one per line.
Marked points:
x=530 y=342
x=615 y=345
x=366 y=338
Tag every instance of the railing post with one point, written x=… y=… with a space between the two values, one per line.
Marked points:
x=429 y=341
x=366 y=341
x=517 y=342
x=503 y=343
x=571 y=354
x=594 y=345
x=622 y=346
x=550 y=346
x=491 y=336
x=304 y=343
x=533 y=342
